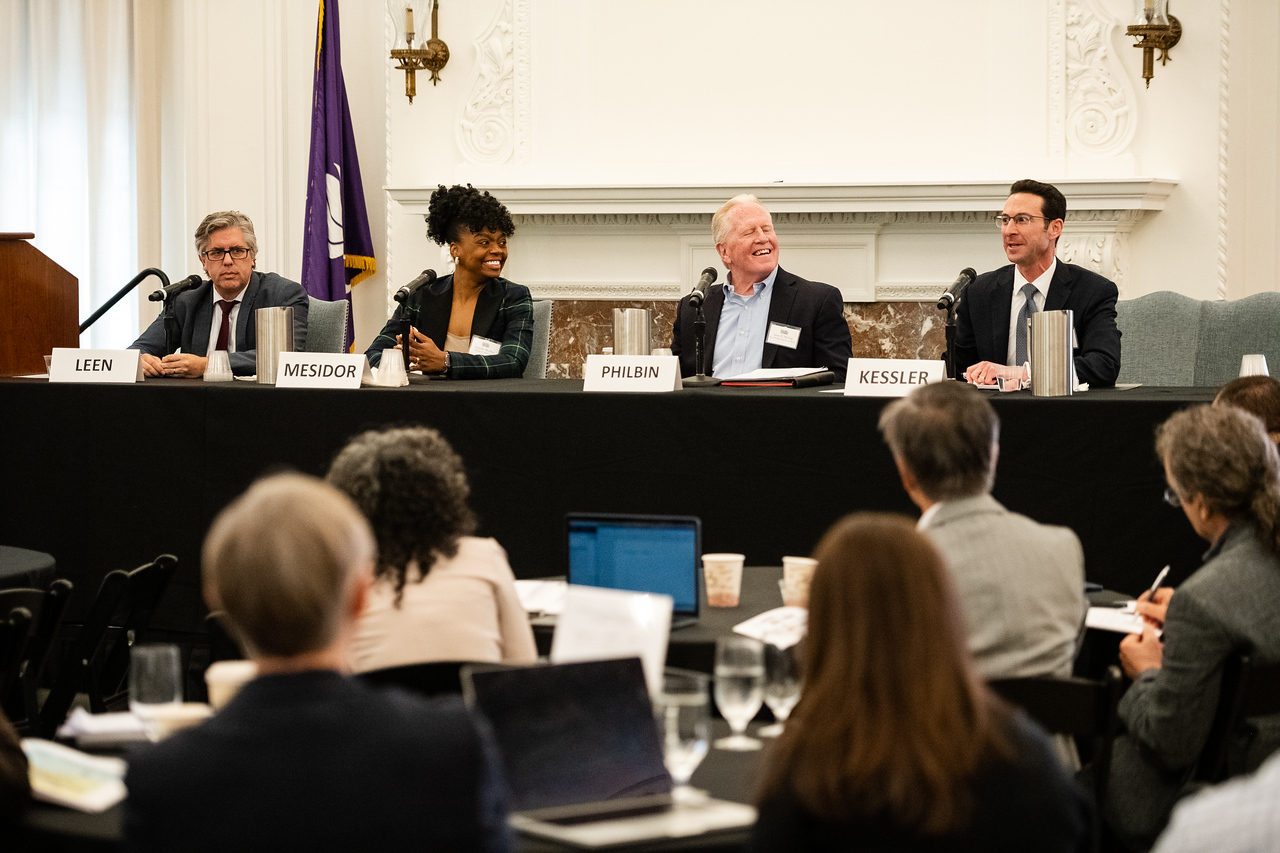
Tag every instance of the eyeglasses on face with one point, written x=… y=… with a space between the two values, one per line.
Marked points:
x=237 y=252
x=1021 y=220
x=1171 y=498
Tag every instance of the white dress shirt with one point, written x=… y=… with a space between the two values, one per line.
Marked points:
x=1042 y=290
x=217 y=326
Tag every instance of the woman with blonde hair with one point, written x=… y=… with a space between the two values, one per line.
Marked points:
x=896 y=743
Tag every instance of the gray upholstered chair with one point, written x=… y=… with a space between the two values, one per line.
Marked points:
x=327 y=325
x=537 y=366
x=1170 y=339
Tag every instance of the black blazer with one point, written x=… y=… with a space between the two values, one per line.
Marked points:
x=982 y=320
x=319 y=762
x=194 y=313
x=815 y=307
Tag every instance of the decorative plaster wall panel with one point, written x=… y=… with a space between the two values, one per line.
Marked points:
x=485 y=126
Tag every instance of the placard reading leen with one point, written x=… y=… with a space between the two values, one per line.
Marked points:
x=891 y=377
x=95 y=365
x=648 y=373
x=319 y=370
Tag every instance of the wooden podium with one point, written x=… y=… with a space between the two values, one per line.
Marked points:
x=39 y=306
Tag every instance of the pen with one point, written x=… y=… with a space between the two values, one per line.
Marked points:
x=1151 y=593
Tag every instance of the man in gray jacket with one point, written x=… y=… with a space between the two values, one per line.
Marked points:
x=1021 y=584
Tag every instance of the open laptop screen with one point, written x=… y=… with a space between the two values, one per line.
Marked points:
x=639 y=553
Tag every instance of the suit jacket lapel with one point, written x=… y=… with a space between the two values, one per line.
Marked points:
x=711 y=308
x=487 y=305
x=246 y=338
x=1001 y=304
x=195 y=337
x=779 y=311
x=1059 y=288
x=434 y=311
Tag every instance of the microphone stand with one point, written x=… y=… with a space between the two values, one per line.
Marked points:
x=702 y=380
x=951 y=337
x=107 y=306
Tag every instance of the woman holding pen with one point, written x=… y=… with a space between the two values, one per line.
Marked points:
x=1223 y=471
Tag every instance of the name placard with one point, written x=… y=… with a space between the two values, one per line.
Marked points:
x=891 y=377
x=319 y=370
x=648 y=373
x=95 y=365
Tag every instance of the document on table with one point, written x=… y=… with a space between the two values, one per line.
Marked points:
x=542 y=596
x=68 y=777
x=1120 y=620
x=764 y=374
x=782 y=626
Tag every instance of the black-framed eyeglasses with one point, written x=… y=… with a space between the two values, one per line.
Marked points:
x=237 y=252
x=1171 y=497
x=1022 y=220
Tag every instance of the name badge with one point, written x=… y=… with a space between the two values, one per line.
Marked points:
x=319 y=370
x=649 y=373
x=891 y=377
x=483 y=346
x=95 y=365
x=783 y=335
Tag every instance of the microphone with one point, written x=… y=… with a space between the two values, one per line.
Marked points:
x=171 y=290
x=403 y=294
x=707 y=278
x=952 y=294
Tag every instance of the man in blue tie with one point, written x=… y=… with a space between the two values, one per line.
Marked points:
x=992 y=315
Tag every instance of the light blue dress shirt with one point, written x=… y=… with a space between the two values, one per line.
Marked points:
x=744 y=323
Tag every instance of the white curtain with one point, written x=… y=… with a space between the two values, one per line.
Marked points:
x=67 y=146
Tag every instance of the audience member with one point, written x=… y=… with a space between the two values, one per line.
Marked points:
x=762 y=315
x=440 y=593
x=1257 y=395
x=897 y=744
x=304 y=757
x=14 y=787
x=220 y=314
x=1021 y=584
x=1222 y=469
x=1237 y=817
x=473 y=324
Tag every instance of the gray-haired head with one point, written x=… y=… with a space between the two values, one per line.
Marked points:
x=946 y=435
x=720 y=219
x=225 y=219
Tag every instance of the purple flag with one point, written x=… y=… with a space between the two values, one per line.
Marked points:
x=337 y=250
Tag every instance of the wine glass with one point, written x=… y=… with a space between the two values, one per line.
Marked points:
x=684 y=721
x=781 y=685
x=739 y=687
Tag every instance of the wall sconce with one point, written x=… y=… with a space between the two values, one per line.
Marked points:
x=1155 y=29
x=431 y=55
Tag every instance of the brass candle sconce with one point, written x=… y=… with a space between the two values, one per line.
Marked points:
x=431 y=54
x=1155 y=29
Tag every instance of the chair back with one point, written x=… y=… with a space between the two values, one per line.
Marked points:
x=18 y=694
x=145 y=585
x=327 y=325
x=1248 y=690
x=74 y=672
x=537 y=366
x=1073 y=706
x=436 y=678
x=15 y=634
x=1235 y=328
x=1160 y=335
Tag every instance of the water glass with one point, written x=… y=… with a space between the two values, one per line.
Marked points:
x=155 y=676
x=218 y=369
x=739 y=687
x=684 y=721
x=391 y=368
x=781 y=685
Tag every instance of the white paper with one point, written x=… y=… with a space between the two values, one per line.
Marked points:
x=60 y=774
x=1122 y=621
x=319 y=370
x=602 y=624
x=95 y=365
x=541 y=596
x=766 y=373
x=782 y=626
x=891 y=377
x=632 y=373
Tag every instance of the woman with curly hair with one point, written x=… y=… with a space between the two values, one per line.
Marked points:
x=440 y=594
x=473 y=324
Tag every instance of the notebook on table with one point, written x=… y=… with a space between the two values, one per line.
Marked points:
x=582 y=755
x=639 y=553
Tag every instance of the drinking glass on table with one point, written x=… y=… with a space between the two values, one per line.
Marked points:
x=684 y=721
x=155 y=681
x=781 y=685
x=739 y=687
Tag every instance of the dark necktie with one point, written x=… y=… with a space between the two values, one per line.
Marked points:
x=1020 y=333
x=225 y=331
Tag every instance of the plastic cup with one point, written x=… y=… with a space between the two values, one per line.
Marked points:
x=797 y=574
x=225 y=678
x=723 y=576
x=219 y=367
x=48 y=364
x=391 y=369
x=1253 y=365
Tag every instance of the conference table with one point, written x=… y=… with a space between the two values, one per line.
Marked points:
x=107 y=477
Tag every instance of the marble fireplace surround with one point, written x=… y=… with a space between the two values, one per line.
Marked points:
x=883 y=245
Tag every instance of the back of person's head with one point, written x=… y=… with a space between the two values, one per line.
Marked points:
x=893 y=721
x=1257 y=395
x=281 y=561
x=412 y=487
x=946 y=435
x=1224 y=455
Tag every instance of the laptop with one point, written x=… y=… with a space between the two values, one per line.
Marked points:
x=639 y=553
x=582 y=754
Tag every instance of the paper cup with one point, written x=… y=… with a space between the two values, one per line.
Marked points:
x=1253 y=365
x=797 y=574
x=723 y=575
x=226 y=677
x=160 y=721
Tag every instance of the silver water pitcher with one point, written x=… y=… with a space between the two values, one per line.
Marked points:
x=632 y=331
x=274 y=335
x=1049 y=343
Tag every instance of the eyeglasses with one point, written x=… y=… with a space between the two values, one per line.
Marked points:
x=1022 y=220
x=237 y=252
x=1171 y=498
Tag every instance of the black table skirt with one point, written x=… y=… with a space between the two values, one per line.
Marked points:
x=107 y=477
